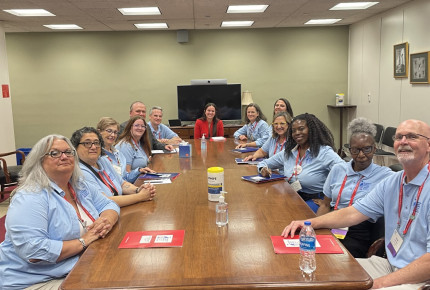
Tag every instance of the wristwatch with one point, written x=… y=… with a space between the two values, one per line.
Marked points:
x=137 y=189
x=84 y=246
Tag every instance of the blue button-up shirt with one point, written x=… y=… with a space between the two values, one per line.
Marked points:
x=135 y=157
x=107 y=167
x=372 y=175
x=270 y=146
x=314 y=169
x=255 y=132
x=384 y=201
x=37 y=223
x=116 y=158
x=163 y=132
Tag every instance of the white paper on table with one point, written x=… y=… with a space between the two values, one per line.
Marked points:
x=158 y=181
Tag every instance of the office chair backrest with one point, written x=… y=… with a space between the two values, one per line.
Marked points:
x=387 y=138
x=379 y=132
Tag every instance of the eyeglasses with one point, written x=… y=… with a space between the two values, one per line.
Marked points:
x=409 y=137
x=110 y=132
x=57 y=154
x=279 y=124
x=88 y=144
x=139 y=126
x=365 y=150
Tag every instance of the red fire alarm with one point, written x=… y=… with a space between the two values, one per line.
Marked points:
x=5 y=91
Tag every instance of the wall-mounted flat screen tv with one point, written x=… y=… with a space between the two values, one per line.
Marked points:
x=192 y=100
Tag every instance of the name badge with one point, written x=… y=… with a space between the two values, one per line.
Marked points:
x=298 y=169
x=117 y=169
x=396 y=242
x=296 y=185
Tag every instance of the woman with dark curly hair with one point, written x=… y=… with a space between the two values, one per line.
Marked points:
x=308 y=157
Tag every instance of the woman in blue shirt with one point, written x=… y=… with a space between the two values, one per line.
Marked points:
x=276 y=143
x=349 y=182
x=307 y=159
x=52 y=218
x=99 y=171
x=256 y=131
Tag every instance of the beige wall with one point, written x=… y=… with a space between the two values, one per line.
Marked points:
x=63 y=81
x=371 y=65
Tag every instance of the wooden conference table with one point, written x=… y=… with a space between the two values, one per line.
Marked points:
x=238 y=256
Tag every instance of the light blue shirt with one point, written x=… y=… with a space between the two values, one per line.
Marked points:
x=37 y=223
x=270 y=146
x=135 y=157
x=373 y=174
x=314 y=169
x=255 y=132
x=107 y=167
x=116 y=158
x=384 y=201
x=163 y=132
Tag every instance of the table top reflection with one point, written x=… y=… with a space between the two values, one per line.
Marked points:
x=239 y=256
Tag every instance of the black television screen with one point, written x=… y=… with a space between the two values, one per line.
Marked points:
x=192 y=100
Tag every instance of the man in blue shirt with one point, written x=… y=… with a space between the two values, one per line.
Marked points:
x=160 y=131
x=404 y=201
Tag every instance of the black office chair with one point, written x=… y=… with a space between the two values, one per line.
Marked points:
x=387 y=140
x=379 y=133
x=396 y=167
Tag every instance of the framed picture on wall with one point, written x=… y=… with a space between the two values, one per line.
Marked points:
x=420 y=68
x=401 y=56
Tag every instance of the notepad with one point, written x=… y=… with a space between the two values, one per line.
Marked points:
x=255 y=162
x=153 y=239
x=325 y=244
x=260 y=179
x=246 y=149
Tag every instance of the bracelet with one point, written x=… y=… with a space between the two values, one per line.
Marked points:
x=84 y=246
x=137 y=190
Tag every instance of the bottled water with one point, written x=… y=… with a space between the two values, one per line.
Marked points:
x=203 y=143
x=307 y=249
x=221 y=212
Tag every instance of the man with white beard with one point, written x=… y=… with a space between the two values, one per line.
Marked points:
x=404 y=201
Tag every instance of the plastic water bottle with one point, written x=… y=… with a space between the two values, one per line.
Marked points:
x=307 y=249
x=203 y=143
x=221 y=212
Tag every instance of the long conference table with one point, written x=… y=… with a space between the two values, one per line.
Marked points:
x=238 y=256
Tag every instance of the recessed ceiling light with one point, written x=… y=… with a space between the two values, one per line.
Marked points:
x=323 y=21
x=236 y=23
x=63 y=26
x=140 y=11
x=353 y=5
x=29 y=12
x=151 y=25
x=247 y=8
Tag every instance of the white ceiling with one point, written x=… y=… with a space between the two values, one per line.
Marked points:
x=102 y=15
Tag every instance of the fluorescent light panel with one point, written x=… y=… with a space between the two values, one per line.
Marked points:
x=151 y=25
x=63 y=26
x=353 y=5
x=247 y=8
x=323 y=21
x=236 y=23
x=29 y=12
x=140 y=11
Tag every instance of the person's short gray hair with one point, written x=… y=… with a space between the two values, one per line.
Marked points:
x=34 y=177
x=361 y=126
x=155 y=108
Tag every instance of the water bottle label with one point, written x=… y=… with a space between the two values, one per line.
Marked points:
x=307 y=243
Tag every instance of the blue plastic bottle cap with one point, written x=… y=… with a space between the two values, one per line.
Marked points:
x=307 y=223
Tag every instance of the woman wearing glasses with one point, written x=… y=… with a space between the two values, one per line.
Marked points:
x=134 y=144
x=100 y=172
x=349 y=182
x=52 y=218
x=109 y=129
x=256 y=131
x=276 y=143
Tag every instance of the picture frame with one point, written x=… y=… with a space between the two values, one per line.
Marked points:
x=401 y=57
x=419 y=68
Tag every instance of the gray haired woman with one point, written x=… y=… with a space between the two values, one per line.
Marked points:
x=52 y=218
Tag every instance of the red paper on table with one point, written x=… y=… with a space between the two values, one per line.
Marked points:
x=326 y=244
x=153 y=239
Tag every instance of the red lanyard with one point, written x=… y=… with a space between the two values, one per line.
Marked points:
x=353 y=192
x=109 y=184
x=155 y=134
x=251 y=130
x=72 y=191
x=276 y=146
x=412 y=217
x=117 y=160
x=297 y=161
x=138 y=146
